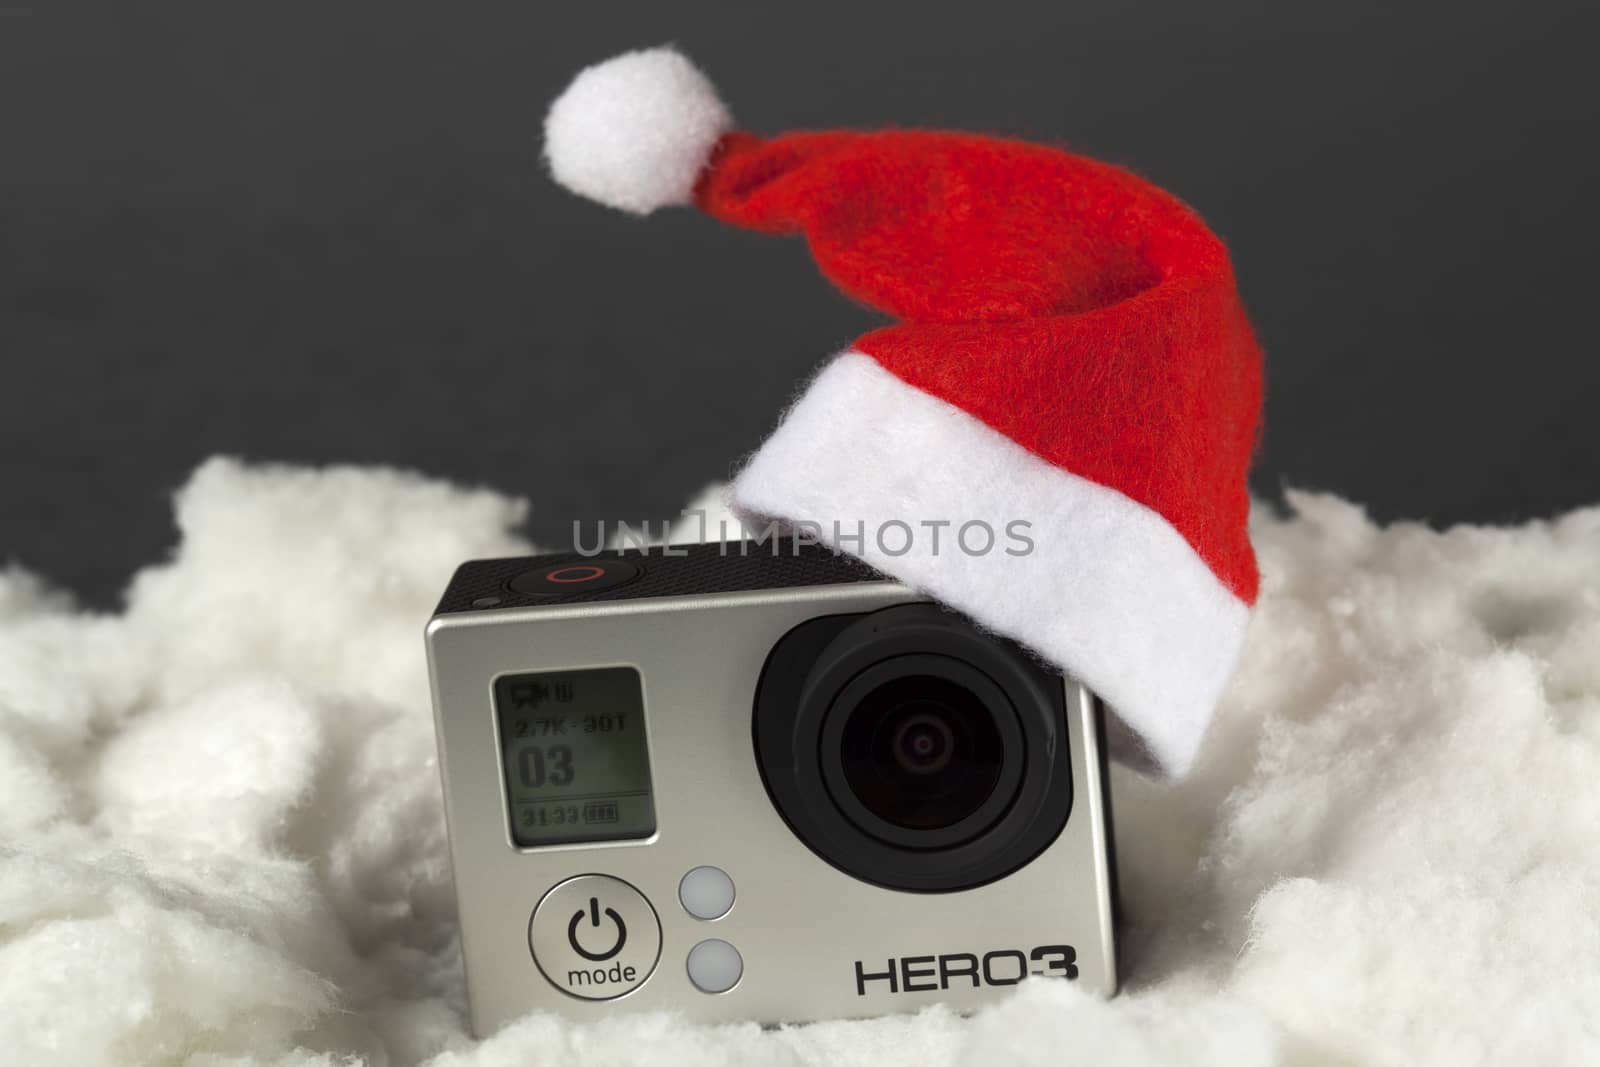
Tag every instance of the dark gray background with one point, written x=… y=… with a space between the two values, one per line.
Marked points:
x=311 y=231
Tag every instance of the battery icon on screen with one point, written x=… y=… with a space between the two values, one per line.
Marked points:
x=600 y=811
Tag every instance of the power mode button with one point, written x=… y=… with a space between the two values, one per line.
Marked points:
x=595 y=937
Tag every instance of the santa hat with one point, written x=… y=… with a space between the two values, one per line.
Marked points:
x=1072 y=369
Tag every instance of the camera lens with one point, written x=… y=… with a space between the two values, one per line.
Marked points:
x=923 y=743
x=910 y=749
x=921 y=752
x=919 y=749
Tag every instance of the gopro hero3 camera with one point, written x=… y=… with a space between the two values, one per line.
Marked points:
x=758 y=781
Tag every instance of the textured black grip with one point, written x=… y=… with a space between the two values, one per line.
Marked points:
x=730 y=567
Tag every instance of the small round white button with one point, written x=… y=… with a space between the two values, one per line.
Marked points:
x=715 y=966
x=706 y=893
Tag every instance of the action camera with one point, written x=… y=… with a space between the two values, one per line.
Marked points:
x=758 y=781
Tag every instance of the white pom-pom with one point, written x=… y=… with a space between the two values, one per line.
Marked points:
x=634 y=132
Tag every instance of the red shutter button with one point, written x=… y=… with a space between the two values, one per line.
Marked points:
x=575 y=577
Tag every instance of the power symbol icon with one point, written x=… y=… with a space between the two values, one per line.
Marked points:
x=593 y=915
x=590 y=950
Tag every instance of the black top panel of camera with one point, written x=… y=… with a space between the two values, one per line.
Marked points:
x=638 y=574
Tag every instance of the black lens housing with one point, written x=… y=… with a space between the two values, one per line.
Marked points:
x=911 y=750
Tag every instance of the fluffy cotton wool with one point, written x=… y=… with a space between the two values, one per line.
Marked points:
x=221 y=839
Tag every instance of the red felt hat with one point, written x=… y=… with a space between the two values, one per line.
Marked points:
x=1072 y=369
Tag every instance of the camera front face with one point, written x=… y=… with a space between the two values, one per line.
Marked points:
x=757 y=782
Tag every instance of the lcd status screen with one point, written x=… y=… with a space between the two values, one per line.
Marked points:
x=573 y=747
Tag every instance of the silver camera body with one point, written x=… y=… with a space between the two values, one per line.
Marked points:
x=758 y=781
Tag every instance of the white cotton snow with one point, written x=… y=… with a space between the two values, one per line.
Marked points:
x=221 y=839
